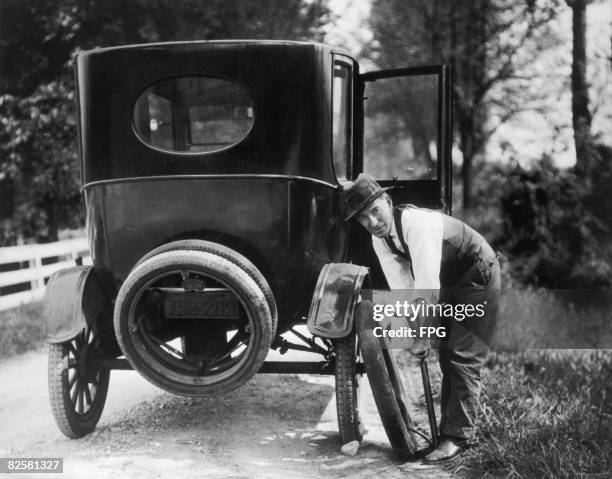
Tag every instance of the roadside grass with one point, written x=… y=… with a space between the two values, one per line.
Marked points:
x=21 y=329
x=544 y=414
x=538 y=318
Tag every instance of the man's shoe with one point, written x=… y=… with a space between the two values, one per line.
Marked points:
x=447 y=449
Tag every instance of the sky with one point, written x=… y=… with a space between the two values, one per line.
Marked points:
x=350 y=30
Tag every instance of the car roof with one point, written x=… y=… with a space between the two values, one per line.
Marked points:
x=226 y=42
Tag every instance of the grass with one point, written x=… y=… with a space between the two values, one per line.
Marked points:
x=544 y=414
x=539 y=318
x=21 y=329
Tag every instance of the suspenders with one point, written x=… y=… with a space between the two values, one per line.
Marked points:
x=397 y=216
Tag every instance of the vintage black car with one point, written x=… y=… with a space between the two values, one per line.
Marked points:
x=212 y=175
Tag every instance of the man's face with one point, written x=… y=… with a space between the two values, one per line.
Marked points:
x=377 y=217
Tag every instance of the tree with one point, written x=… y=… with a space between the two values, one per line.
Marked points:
x=38 y=39
x=581 y=116
x=39 y=150
x=219 y=19
x=484 y=41
x=556 y=228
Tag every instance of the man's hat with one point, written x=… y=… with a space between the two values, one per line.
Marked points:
x=360 y=193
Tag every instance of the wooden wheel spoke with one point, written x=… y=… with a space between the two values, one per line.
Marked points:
x=87 y=394
x=73 y=380
x=73 y=349
x=74 y=394
x=80 y=400
x=73 y=364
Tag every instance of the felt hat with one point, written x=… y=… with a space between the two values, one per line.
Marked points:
x=360 y=193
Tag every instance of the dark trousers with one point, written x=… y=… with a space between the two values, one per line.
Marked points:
x=464 y=352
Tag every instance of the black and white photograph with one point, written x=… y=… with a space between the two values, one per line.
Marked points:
x=312 y=239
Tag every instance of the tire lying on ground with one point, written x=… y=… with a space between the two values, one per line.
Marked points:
x=147 y=334
x=386 y=384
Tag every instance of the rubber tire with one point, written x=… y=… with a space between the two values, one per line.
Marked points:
x=227 y=253
x=347 y=389
x=385 y=384
x=71 y=423
x=231 y=274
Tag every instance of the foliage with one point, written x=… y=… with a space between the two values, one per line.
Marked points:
x=553 y=225
x=551 y=231
x=21 y=329
x=39 y=154
x=217 y=19
x=38 y=39
x=486 y=41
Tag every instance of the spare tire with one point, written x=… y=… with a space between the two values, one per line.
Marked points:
x=146 y=330
x=227 y=253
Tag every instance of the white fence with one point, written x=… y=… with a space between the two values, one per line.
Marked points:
x=31 y=265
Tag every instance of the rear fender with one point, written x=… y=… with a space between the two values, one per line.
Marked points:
x=73 y=299
x=335 y=298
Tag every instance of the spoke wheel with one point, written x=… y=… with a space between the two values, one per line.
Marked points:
x=78 y=383
x=348 y=388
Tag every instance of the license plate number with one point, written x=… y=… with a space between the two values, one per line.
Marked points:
x=216 y=305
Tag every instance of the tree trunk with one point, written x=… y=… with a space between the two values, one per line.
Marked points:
x=472 y=74
x=581 y=117
x=467 y=149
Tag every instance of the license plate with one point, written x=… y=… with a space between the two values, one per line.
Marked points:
x=216 y=305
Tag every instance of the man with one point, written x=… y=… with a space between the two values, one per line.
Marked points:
x=428 y=250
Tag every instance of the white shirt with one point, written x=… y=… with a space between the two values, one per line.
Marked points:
x=423 y=233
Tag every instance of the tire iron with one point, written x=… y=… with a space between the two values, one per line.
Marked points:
x=431 y=413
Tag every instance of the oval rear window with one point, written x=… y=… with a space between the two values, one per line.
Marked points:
x=193 y=114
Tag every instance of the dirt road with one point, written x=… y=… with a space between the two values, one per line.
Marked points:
x=276 y=426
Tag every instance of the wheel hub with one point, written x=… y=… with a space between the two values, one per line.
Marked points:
x=88 y=364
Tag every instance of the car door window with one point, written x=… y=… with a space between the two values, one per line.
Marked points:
x=401 y=128
x=342 y=120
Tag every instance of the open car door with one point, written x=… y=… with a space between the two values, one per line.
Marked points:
x=403 y=139
x=406 y=133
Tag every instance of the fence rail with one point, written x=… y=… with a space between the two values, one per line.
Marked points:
x=26 y=268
